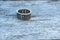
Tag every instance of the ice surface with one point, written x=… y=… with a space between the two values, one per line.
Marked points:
x=44 y=23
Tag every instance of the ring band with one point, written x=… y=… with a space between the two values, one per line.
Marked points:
x=23 y=14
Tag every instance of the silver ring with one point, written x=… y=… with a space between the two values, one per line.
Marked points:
x=23 y=14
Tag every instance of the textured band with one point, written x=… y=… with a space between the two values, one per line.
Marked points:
x=23 y=14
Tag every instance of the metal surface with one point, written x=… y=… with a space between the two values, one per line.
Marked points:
x=23 y=14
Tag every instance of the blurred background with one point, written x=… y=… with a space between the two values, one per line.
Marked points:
x=25 y=0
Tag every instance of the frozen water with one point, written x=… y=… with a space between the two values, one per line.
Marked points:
x=44 y=23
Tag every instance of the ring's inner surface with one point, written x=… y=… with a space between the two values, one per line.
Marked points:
x=24 y=11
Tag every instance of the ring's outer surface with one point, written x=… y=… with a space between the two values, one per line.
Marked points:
x=23 y=14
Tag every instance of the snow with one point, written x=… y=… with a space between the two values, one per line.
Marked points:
x=43 y=25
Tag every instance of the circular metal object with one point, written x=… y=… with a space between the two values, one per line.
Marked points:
x=23 y=14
